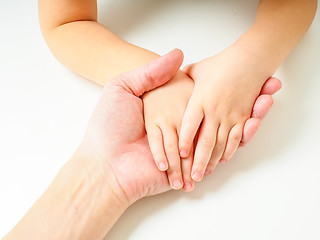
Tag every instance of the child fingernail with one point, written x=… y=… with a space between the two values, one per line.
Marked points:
x=197 y=176
x=223 y=161
x=176 y=184
x=207 y=172
x=183 y=153
x=162 y=166
x=187 y=186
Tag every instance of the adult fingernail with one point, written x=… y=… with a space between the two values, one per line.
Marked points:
x=177 y=184
x=197 y=176
x=162 y=166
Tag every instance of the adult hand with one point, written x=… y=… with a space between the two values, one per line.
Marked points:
x=116 y=134
x=260 y=109
x=112 y=168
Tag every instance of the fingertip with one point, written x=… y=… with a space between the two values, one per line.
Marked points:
x=184 y=147
x=262 y=106
x=162 y=166
x=222 y=161
x=188 y=187
x=176 y=184
x=184 y=153
x=271 y=86
x=277 y=83
x=208 y=172
x=178 y=53
x=197 y=176
x=250 y=129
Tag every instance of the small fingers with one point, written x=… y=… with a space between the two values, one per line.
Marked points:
x=186 y=165
x=233 y=142
x=218 y=149
x=156 y=146
x=205 y=146
x=190 y=124
x=173 y=157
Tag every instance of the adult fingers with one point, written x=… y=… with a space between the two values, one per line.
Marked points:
x=251 y=126
x=262 y=106
x=233 y=142
x=271 y=86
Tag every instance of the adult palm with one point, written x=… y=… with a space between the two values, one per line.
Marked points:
x=116 y=133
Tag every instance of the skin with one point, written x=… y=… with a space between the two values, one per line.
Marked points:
x=99 y=55
x=95 y=187
x=227 y=84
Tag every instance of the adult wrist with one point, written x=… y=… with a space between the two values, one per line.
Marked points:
x=96 y=171
x=80 y=203
x=93 y=200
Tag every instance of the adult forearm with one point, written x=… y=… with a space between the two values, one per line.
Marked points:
x=93 y=51
x=279 y=26
x=81 y=203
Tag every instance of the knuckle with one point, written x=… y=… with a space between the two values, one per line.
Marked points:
x=210 y=166
x=157 y=157
x=206 y=142
x=188 y=128
x=185 y=144
x=236 y=137
x=174 y=173
x=214 y=159
x=171 y=148
x=200 y=165
x=219 y=146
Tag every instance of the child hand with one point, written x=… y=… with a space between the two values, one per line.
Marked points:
x=164 y=108
x=226 y=86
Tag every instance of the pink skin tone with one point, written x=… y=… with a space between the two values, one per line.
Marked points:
x=129 y=113
x=164 y=110
x=113 y=166
x=116 y=131
x=157 y=138
x=226 y=88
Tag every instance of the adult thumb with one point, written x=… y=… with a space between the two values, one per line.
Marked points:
x=151 y=75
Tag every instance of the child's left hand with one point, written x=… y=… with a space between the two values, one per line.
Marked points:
x=226 y=86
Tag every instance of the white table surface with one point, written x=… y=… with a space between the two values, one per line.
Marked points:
x=270 y=190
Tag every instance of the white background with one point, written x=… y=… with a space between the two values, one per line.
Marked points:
x=270 y=189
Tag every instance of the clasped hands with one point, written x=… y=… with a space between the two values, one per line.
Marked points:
x=116 y=137
x=205 y=113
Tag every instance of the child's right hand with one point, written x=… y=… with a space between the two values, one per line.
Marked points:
x=164 y=109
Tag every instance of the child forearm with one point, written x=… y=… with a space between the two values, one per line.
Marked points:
x=279 y=26
x=83 y=45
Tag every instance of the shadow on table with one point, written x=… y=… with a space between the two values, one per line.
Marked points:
x=279 y=130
